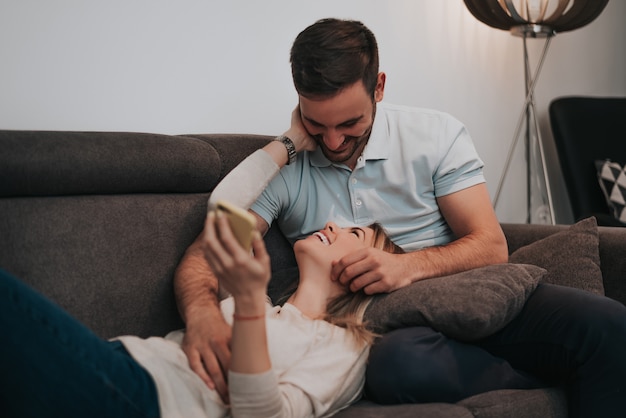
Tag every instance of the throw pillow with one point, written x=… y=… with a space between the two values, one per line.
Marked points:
x=467 y=306
x=571 y=257
x=612 y=178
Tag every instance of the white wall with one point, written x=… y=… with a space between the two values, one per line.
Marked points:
x=193 y=66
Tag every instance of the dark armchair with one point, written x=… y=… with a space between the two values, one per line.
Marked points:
x=587 y=129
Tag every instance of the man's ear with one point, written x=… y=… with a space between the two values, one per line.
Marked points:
x=379 y=91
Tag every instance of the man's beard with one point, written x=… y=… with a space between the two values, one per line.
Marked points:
x=357 y=144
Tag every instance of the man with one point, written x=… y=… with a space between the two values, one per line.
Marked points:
x=358 y=160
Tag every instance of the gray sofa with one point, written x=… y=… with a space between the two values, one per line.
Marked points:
x=99 y=221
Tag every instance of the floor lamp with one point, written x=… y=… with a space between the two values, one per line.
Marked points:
x=534 y=19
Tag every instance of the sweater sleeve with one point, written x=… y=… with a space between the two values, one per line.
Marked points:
x=327 y=379
x=243 y=185
x=260 y=396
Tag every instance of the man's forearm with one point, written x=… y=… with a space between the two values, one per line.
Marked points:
x=480 y=239
x=195 y=286
x=462 y=254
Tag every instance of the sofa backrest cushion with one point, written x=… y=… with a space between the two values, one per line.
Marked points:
x=108 y=260
x=50 y=163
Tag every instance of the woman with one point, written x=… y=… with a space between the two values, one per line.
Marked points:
x=306 y=358
x=318 y=366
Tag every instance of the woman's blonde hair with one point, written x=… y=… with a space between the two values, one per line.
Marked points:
x=347 y=310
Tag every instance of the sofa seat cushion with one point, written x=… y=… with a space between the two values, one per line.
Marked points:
x=509 y=403
x=514 y=403
x=367 y=409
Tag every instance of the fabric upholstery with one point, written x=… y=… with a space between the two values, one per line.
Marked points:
x=366 y=409
x=66 y=163
x=518 y=404
x=466 y=306
x=108 y=260
x=571 y=257
x=613 y=262
x=232 y=148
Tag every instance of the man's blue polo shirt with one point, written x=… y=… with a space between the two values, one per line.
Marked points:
x=413 y=156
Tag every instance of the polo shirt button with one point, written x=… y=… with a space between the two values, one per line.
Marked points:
x=354 y=181
x=358 y=202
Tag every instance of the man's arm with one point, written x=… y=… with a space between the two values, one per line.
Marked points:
x=480 y=241
x=207 y=336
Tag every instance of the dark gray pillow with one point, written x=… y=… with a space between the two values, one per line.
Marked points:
x=466 y=306
x=571 y=257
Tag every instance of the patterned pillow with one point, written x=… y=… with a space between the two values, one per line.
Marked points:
x=612 y=177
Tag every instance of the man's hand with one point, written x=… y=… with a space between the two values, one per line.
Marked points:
x=206 y=341
x=373 y=270
x=207 y=346
x=480 y=242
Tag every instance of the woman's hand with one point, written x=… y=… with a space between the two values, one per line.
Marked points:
x=240 y=272
x=298 y=133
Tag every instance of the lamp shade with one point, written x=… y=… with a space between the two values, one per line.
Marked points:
x=557 y=15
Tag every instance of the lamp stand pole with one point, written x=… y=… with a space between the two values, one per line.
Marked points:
x=532 y=135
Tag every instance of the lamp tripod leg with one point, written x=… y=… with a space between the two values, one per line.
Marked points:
x=527 y=107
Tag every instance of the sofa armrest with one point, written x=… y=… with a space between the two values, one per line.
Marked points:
x=613 y=261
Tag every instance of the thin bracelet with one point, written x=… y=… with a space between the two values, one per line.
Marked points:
x=237 y=317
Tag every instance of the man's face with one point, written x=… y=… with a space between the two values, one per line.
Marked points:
x=341 y=125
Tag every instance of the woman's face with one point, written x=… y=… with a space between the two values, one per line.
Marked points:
x=332 y=242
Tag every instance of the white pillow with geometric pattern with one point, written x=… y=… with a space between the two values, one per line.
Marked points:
x=612 y=178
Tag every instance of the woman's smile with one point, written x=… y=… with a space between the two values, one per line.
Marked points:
x=322 y=237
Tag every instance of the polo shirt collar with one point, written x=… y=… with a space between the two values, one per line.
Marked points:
x=377 y=147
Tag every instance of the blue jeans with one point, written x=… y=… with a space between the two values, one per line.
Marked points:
x=563 y=336
x=53 y=366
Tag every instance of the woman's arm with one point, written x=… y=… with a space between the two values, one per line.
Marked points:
x=243 y=185
x=207 y=337
x=245 y=276
x=328 y=377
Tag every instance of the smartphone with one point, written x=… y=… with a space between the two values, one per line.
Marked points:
x=242 y=222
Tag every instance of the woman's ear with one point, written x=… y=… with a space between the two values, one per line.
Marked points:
x=379 y=91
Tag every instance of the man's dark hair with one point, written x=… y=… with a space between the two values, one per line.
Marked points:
x=332 y=54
